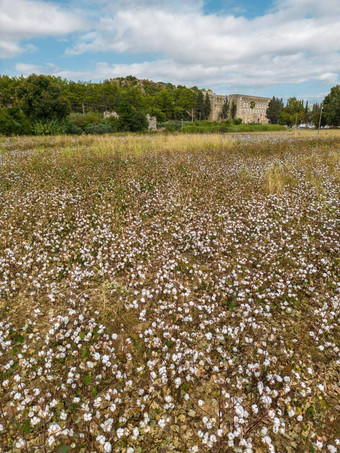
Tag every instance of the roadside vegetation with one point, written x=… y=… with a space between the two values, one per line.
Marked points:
x=169 y=293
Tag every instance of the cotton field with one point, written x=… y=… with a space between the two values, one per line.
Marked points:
x=169 y=294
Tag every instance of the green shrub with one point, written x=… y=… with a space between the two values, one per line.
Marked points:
x=14 y=122
x=51 y=127
x=82 y=120
x=74 y=129
x=171 y=126
x=99 y=128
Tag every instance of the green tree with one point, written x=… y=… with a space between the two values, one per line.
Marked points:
x=308 y=114
x=41 y=99
x=274 y=110
x=252 y=106
x=233 y=110
x=164 y=101
x=13 y=122
x=331 y=107
x=206 y=107
x=199 y=108
x=293 y=112
x=225 y=108
x=315 y=115
x=130 y=119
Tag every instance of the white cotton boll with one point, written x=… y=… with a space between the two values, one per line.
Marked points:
x=255 y=408
x=20 y=443
x=100 y=439
x=107 y=447
x=120 y=432
x=161 y=423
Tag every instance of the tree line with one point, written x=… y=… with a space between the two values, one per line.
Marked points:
x=48 y=104
x=296 y=112
x=42 y=104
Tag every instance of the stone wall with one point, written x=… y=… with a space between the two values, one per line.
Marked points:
x=251 y=109
x=244 y=104
x=216 y=104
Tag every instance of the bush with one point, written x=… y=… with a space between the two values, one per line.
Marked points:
x=14 y=122
x=52 y=127
x=74 y=129
x=171 y=126
x=130 y=120
x=99 y=128
x=209 y=128
x=82 y=120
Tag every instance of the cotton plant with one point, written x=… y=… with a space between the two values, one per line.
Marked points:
x=170 y=296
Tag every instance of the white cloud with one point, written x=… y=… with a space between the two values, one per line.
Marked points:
x=297 y=41
x=26 y=69
x=27 y=19
x=222 y=78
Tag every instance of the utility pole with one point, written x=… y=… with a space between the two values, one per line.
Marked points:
x=320 y=119
x=83 y=106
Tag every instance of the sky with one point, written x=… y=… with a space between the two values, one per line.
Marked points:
x=267 y=48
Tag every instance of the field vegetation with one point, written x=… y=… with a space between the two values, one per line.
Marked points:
x=169 y=293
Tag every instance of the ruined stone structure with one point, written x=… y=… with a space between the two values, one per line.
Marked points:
x=152 y=122
x=108 y=114
x=251 y=109
x=216 y=104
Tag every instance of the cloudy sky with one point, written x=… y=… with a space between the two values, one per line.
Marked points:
x=261 y=47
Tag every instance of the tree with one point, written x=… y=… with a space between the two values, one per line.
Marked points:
x=200 y=105
x=274 y=110
x=164 y=101
x=41 y=99
x=130 y=119
x=225 y=108
x=252 y=106
x=13 y=122
x=315 y=115
x=293 y=113
x=331 y=107
x=233 y=110
x=206 y=107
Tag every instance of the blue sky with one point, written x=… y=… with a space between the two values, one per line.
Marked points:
x=267 y=48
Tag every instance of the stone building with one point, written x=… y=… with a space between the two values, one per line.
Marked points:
x=216 y=104
x=251 y=109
